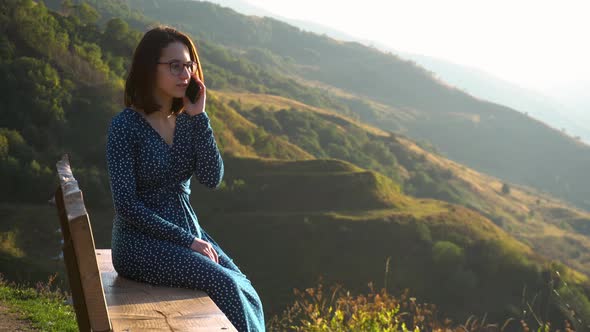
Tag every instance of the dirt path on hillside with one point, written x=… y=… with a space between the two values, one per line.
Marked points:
x=10 y=321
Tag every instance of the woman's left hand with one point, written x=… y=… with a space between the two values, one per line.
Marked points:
x=199 y=105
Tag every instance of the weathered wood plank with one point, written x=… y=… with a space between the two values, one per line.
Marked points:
x=83 y=242
x=136 y=306
x=78 y=231
x=71 y=265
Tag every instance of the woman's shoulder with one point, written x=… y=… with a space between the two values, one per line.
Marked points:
x=125 y=117
x=125 y=121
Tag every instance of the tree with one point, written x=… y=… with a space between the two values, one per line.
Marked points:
x=66 y=7
x=505 y=189
x=448 y=255
x=86 y=13
x=7 y=49
x=116 y=27
x=3 y=146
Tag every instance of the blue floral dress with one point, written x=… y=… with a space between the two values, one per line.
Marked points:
x=155 y=225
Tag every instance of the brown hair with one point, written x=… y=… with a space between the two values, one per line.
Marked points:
x=141 y=79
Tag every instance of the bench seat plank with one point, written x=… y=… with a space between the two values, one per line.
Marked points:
x=135 y=306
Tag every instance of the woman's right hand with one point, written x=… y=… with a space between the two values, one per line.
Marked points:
x=199 y=106
x=205 y=248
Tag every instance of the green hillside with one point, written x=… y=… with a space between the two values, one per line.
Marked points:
x=551 y=226
x=287 y=186
x=309 y=190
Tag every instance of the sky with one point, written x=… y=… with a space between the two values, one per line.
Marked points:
x=541 y=45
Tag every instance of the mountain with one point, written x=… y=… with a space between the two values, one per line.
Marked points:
x=485 y=86
x=567 y=115
x=244 y=7
x=309 y=189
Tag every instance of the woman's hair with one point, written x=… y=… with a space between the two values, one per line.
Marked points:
x=141 y=79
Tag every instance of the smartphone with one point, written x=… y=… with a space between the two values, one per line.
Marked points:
x=192 y=91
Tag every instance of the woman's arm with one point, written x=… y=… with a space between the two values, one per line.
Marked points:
x=121 y=168
x=209 y=164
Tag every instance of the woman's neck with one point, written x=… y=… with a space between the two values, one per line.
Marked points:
x=166 y=106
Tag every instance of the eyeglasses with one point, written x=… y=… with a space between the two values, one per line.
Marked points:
x=176 y=67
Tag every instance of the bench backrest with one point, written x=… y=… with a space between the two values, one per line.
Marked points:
x=79 y=253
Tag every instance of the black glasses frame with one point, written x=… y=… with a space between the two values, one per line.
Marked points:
x=187 y=64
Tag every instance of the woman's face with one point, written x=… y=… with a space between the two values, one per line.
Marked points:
x=169 y=85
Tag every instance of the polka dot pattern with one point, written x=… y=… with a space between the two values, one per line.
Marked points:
x=155 y=225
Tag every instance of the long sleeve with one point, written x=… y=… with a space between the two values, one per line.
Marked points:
x=121 y=168
x=209 y=164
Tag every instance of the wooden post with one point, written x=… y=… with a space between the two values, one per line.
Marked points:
x=72 y=267
x=79 y=253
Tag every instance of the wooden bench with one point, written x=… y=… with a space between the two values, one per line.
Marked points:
x=104 y=301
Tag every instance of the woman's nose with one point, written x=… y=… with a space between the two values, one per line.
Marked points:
x=185 y=73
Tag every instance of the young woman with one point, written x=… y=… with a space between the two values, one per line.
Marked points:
x=154 y=147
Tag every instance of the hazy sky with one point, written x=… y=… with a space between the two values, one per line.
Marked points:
x=537 y=44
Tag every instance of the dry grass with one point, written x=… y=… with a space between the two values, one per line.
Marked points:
x=250 y=100
x=316 y=309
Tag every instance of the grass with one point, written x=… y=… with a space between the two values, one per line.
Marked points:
x=250 y=100
x=419 y=208
x=44 y=306
x=337 y=310
x=8 y=244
